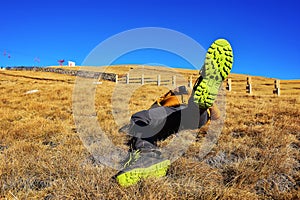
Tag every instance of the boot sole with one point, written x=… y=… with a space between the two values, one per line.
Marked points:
x=217 y=66
x=133 y=176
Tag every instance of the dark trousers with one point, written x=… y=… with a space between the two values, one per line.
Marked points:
x=149 y=126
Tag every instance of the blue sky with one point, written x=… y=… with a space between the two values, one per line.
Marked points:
x=263 y=33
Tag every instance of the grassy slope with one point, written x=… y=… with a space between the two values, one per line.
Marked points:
x=257 y=155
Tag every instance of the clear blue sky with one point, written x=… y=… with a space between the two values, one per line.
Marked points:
x=264 y=33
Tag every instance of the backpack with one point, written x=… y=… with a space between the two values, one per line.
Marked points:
x=173 y=98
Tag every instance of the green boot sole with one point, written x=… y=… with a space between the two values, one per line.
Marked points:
x=133 y=176
x=216 y=68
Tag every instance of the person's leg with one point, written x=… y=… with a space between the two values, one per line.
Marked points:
x=217 y=66
x=145 y=159
x=149 y=125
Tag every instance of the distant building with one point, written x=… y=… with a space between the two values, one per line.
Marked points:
x=71 y=64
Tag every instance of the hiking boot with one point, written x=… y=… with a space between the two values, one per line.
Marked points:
x=217 y=66
x=143 y=164
x=132 y=156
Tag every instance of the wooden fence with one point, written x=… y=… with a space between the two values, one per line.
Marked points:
x=127 y=79
x=249 y=86
x=157 y=80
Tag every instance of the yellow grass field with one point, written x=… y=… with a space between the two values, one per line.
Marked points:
x=257 y=155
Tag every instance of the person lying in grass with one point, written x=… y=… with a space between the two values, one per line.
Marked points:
x=167 y=116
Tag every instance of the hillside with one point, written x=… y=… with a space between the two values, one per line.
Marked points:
x=257 y=155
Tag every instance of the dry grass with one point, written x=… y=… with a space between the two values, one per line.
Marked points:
x=41 y=155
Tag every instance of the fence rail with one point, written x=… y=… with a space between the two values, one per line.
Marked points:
x=157 y=80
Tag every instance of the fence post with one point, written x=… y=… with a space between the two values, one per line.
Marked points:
x=228 y=87
x=190 y=84
x=249 y=85
x=174 y=81
x=142 y=80
x=127 y=78
x=276 y=87
x=116 y=79
x=158 y=80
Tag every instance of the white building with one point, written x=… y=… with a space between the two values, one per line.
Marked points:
x=71 y=64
